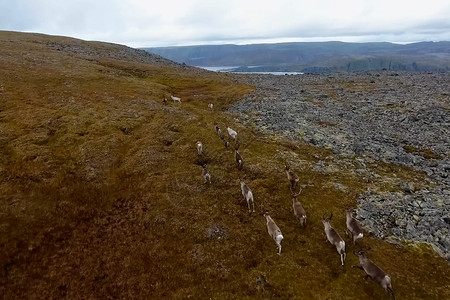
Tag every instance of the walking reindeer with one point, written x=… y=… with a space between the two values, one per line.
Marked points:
x=274 y=231
x=291 y=176
x=334 y=238
x=206 y=175
x=353 y=226
x=248 y=196
x=374 y=272
x=299 y=211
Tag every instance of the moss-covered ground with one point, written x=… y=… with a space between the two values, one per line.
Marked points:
x=102 y=195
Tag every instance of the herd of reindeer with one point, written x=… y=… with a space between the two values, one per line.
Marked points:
x=372 y=270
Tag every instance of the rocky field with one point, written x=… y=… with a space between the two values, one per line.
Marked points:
x=368 y=119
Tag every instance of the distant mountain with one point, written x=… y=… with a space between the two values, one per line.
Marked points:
x=320 y=57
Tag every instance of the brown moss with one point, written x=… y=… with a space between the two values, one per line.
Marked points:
x=326 y=123
x=426 y=153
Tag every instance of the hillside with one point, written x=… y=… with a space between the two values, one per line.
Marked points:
x=102 y=194
x=315 y=57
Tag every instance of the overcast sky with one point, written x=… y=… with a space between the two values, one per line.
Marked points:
x=140 y=23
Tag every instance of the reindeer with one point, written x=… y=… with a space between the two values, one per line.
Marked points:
x=374 y=272
x=206 y=175
x=248 y=196
x=165 y=101
x=218 y=131
x=334 y=238
x=210 y=106
x=199 y=148
x=238 y=158
x=226 y=143
x=232 y=133
x=292 y=177
x=274 y=231
x=175 y=99
x=299 y=211
x=353 y=226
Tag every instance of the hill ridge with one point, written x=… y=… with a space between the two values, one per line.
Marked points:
x=315 y=57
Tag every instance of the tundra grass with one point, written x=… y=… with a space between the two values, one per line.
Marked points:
x=102 y=194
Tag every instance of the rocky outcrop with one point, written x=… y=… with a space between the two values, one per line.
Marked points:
x=399 y=118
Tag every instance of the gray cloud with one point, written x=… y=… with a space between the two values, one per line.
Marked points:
x=142 y=23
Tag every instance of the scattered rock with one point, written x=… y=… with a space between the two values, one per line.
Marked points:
x=216 y=232
x=400 y=122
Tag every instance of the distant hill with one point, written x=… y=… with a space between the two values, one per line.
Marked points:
x=320 y=57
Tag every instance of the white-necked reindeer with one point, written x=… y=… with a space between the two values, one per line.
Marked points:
x=210 y=106
x=199 y=148
x=206 y=175
x=299 y=211
x=232 y=133
x=274 y=231
x=238 y=158
x=248 y=196
x=374 y=272
x=175 y=99
x=334 y=238
x=353 y=226
x=292 y=177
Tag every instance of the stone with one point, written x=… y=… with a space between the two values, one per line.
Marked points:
x=408 y=133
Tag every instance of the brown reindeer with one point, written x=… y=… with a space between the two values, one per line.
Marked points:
x=274 y=231
x=334 y=238
x=353 y=226
x=374 y=272
x=299 y=211
x=292 y=177
x=248 y=196
x=206 y=175
x=238 y=158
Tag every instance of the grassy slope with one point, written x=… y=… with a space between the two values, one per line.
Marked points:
x=102 y=195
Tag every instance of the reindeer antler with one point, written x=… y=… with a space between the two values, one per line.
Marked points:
x=295 y=195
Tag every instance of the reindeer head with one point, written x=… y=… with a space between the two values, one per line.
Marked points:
x=294 y=195
x=349 y=211
x=326 y=220
x=361 y=252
